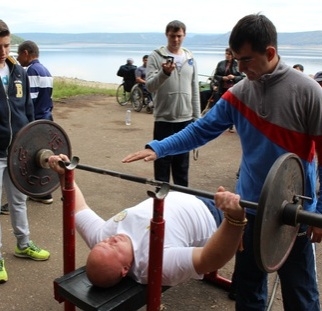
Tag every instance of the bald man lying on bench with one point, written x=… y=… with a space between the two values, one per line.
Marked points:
x=194 y=243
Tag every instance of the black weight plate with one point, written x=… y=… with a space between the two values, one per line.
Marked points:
x=273 y=240
x=26 y=174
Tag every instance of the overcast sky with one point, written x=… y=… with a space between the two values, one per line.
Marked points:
x=205 y=16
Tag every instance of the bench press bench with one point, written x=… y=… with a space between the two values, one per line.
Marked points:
x=76 y=288
x=127 y=295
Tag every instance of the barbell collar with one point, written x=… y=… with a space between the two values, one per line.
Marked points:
x=290 y=213
x=42 y=157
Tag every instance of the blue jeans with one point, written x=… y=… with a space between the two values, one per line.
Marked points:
x=215 y=212
x=297 y=276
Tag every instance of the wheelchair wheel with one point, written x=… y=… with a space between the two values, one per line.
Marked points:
x=122 y=96
x=137 y=98
x=149 y=110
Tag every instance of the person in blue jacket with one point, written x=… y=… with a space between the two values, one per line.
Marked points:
x=275 y=110
x=41 y=89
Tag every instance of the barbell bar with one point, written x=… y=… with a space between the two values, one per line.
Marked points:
x=279 y=210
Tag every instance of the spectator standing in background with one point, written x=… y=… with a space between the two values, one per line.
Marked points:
x=173 y=79
x=227 y=74
x=41 y=89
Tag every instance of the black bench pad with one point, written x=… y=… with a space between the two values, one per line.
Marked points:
x=75 y=288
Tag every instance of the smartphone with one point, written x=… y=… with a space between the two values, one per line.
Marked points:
x=169 y=59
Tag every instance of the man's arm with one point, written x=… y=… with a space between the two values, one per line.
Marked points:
x=80 y=203
x=223 y=244
x=145 y=154
x=315 y=233
x=157 y=72
x=29 y=106
x=138 y=76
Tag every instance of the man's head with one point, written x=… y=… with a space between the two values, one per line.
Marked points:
x=228 y=54
x=253 y=41
x=4 y=42
x=130 y=61
x=175 y=32
x=145 y=60
x=298 y=67
x=318 y=77
x=175 y=26
x=4 y=29
x=110 y=260
x=27 y=51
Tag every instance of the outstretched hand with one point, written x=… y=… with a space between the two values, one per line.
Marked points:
x=228 y=202
x=145 y=154
x=54 y=160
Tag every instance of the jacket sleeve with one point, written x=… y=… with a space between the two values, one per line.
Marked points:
x=238 y=75
x=195 y=94
x=194 y=135
x=155 y=76
x=219 y=72
x=29 y=106
x=120 y=72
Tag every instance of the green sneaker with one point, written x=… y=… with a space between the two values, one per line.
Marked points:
x=32 y=252
x=3 y=272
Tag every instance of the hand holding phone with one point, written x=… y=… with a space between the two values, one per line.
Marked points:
x=168 y=66
x=170 y=60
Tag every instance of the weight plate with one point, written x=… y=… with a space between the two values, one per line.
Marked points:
x=24 y=168
x=273 y=240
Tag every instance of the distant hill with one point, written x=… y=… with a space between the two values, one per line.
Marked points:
x=309 y=38
x=16 y=40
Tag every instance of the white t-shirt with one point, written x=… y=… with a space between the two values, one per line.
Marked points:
x=4 y=75
x=188 y=223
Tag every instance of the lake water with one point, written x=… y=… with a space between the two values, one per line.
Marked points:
x=100 y=62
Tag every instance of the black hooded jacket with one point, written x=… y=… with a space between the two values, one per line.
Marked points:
x=16 y=107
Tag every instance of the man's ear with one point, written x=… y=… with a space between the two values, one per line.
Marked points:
x=270 y=53
x=125 y=271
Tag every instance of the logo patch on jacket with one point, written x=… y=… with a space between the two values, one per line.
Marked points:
x=18 y=85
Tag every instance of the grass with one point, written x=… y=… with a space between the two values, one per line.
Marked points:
x=66 y=88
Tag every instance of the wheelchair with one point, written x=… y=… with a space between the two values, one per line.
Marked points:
x=141 y=98
x=123 y=94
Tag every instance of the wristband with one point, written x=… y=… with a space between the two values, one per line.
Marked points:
x=235 y=222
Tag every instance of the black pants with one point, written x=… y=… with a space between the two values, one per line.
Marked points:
x=177 y=164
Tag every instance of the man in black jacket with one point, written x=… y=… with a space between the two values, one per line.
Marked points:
x=16 y=110
x=127 y=72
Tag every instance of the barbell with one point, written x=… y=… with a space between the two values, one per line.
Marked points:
x=279 y=210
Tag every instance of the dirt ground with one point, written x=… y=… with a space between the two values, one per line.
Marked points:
x=98 y=134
